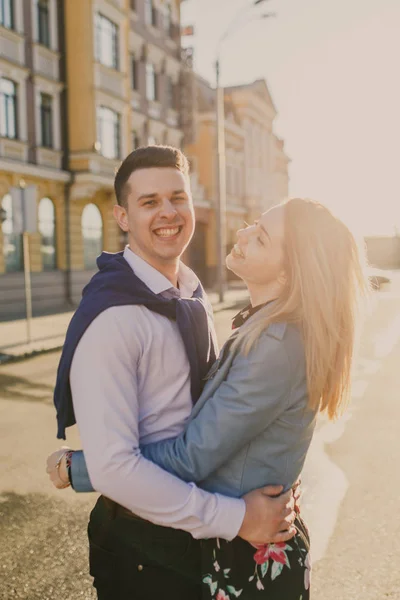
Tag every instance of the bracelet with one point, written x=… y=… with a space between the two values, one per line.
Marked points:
x=68 y=455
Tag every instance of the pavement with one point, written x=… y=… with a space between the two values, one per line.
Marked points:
x=47 y=333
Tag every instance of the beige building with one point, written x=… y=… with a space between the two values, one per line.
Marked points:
x=256 y=165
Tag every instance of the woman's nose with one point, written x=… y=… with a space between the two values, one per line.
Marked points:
x=242 y=234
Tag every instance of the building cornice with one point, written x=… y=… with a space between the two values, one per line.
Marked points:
x=29 y=169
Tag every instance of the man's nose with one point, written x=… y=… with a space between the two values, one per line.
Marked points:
x=168 y=210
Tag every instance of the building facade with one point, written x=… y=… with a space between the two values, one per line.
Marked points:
x=31 y=148
x=81 y=85
x=256 y=165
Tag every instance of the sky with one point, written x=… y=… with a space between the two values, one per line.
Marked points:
x=333 y=70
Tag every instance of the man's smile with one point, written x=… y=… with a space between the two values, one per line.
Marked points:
x=168 y=232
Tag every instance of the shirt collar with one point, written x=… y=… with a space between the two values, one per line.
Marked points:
x=156 y=281
x=276 y=330
x=245 y=314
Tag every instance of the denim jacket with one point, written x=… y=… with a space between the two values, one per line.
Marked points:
x=251 y=426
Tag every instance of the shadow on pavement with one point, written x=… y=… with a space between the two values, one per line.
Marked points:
x=13 y=387
x=43 y=555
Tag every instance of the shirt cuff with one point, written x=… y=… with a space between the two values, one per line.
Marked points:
x=79 y=476
x=231 y=512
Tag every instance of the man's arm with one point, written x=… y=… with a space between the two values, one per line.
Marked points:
x=256 y=392
x=105 y=396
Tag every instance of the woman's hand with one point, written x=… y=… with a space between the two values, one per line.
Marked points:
x=57 y=468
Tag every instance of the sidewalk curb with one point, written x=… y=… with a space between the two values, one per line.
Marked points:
x=14 y=358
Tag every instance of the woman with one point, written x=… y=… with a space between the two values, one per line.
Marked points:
x=288 y=359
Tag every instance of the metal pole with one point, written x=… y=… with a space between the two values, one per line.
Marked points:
x=27 y=269
x=221 y=196
x=28 y=288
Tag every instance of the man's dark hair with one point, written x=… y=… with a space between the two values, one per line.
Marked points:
x=146 y=158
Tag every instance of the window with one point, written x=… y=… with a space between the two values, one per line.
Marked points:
x=47 y=230
x=108 y=132
x=134 y=74
x=7 y=13
x=12 y=242
x=167 y=16
x=151 y=82
x=150 y=14
x=8 y=109
x=106 y=42
x=46 y=120
x=92 y=234
x=43 y=22
x=135 y=140
x=151 y=140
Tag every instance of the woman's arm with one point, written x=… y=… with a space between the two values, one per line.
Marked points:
x=255 y=393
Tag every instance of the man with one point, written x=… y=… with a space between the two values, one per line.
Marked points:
x=136 y=351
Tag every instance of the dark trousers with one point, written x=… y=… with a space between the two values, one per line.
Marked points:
x=133 y=559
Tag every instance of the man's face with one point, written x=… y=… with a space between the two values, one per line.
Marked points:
x=159 y=214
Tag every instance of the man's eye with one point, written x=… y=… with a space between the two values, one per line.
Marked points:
x=149 y=203
x=179 y=198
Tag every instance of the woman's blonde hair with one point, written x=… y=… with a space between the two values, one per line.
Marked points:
x=325 y=271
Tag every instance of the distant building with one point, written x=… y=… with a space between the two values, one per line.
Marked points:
x=256 y=165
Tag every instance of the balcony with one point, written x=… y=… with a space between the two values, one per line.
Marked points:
x=154 y=110
x=46 y=62
x=109 y=80
x=136 y=100
x=47 y=157
x=172 y=118
x=13 y=149
x=12 y=46
x=120 y=4
x=104 y=166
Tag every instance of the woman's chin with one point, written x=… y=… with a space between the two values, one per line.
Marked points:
x=232 y=265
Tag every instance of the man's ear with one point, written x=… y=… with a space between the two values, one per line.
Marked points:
x=121 y=216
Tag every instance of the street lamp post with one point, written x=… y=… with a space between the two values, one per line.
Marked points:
x=221 y=158
x=221 y=175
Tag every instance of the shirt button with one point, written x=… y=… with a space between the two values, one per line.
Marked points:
x=140 y=568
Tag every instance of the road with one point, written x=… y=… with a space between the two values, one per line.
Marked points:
x=351 y=482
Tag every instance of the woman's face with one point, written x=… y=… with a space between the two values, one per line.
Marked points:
x=258 y=255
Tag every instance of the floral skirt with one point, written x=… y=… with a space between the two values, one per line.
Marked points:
x=274 y=571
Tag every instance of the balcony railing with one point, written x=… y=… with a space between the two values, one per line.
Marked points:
x=109 y=80
x=12 y=46
x=13 y=149
x=46 y=62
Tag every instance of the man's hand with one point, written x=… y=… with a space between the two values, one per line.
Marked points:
x=297 y=495
x=269 y=517
x=57 y=469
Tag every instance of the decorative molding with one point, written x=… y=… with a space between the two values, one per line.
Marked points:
x=31 y=170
